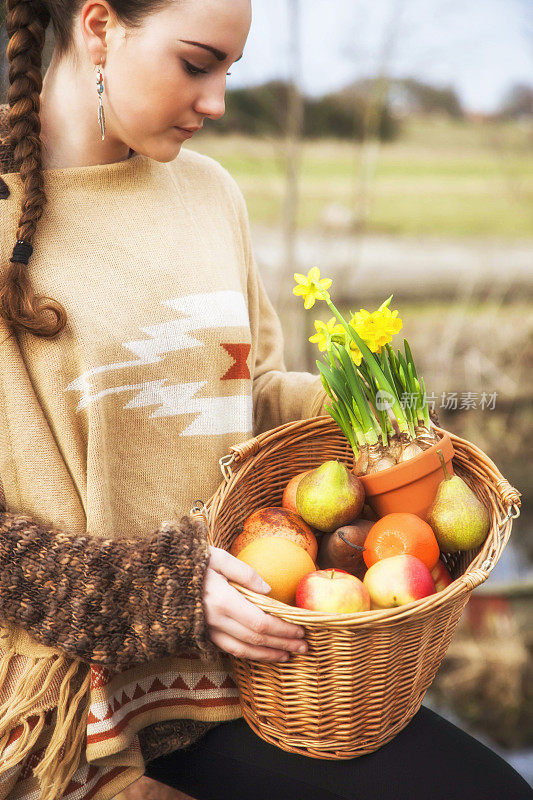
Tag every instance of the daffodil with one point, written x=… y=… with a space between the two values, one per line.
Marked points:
x=376 y=328
x=356 y=354
x=325 y=332
x=359 y=363
x=312 y=287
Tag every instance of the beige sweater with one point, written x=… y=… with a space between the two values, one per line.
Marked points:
x=172 y=353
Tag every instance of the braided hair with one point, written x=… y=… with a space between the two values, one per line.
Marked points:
x=26 y=23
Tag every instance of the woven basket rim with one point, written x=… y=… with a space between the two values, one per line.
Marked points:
x=508 y=498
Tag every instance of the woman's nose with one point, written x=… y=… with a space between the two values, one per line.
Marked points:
x=212 y=103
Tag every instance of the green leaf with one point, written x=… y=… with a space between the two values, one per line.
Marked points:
x=409 y=356
x=374 y=367
x=357 y=391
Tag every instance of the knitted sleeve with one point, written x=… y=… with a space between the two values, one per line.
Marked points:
x=115 y=602
x=279 y=395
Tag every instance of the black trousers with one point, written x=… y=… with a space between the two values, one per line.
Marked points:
x=431 y=759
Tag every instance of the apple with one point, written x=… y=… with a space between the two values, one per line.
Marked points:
x=289 y=495
x=332 y=591
x=441 y=576
x=397 y=580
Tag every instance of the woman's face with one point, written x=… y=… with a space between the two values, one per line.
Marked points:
x=157 y=81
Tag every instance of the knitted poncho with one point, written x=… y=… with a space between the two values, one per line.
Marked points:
x=108 y=434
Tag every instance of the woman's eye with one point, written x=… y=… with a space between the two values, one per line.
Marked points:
x=192 y=70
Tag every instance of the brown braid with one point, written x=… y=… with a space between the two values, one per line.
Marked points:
x=26 y=25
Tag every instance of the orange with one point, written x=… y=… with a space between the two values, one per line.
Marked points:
x=280 y=562
x=399 y=533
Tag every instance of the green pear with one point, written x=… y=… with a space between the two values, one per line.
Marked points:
x=330 y=496
x=459 y=520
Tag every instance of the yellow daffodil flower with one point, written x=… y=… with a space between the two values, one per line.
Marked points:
x=356 y=354
x=376 y=328
x=311 y=286
x=325 y=331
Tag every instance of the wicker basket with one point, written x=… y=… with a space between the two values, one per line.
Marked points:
x=364 y=675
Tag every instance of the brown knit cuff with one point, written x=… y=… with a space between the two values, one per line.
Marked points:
x=117 y=602
x=195 y=529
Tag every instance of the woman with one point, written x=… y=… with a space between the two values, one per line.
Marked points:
x=138 y=345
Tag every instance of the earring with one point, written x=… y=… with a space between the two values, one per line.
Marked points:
x=100 y=89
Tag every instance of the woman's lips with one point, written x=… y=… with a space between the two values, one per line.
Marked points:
x=185 y=133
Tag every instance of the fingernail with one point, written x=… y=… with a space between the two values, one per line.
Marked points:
x=302 y=648
x=264 y=586
x=284 y=657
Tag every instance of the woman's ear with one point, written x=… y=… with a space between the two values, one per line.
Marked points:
x=99 y=25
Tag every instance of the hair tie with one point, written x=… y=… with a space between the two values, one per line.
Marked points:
x=22 y=252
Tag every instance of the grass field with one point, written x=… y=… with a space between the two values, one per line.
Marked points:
x=441 y=178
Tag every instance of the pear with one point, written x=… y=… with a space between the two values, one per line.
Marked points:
x=459 y=520
x=330 y=496
x=343 y=549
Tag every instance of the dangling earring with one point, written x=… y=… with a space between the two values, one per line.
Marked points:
x=100 y=89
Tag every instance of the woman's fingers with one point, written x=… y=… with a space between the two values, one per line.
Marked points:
x=240 y=649
x=259 y=621
x=236 y=570
x=222 y=601
x=251 y=637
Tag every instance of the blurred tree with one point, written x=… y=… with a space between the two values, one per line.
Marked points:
x=406 y=95
x=374 y=112
x=342 y=115
x=258 y=111
x=518 y=102
x=294 y=126
x=427 y=99
x=262 y=111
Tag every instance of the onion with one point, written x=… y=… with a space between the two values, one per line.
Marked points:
x=385 y=462
x=379 y=458
x=394 y=447
x=409 y=451
x=426 y=434
x=375 y=452
x=361 y=465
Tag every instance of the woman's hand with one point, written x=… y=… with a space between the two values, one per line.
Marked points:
x=238 y=626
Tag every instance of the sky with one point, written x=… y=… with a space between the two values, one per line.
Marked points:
x=480 y=47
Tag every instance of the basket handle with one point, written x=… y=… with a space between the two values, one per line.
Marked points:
x=200 y=509
x=479 y=575
x=510 y=496
x=239 y=452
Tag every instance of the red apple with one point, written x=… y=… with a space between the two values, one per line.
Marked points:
x=332 y=591
x=397 y=580
x=441 y=576
x=289 y=495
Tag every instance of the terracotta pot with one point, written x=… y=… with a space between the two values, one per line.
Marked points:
x=410 y=486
